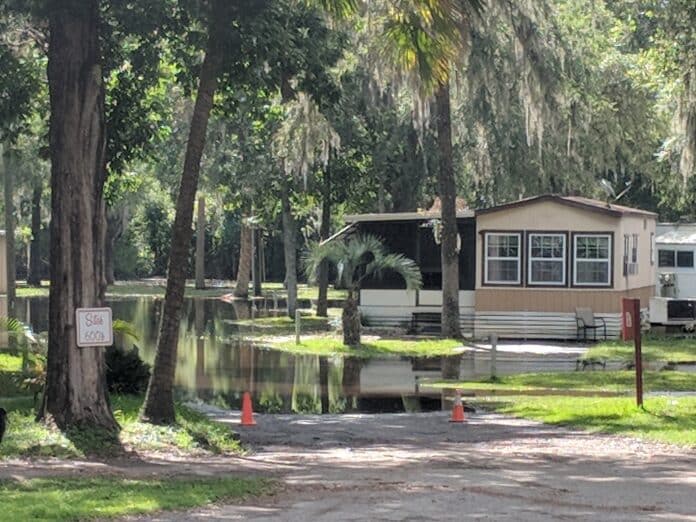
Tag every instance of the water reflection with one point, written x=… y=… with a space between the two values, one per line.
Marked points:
x=217 y=365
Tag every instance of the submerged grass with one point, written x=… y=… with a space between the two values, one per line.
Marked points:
x=193 y=433
x=330 y=345
x=668 y=349
x=62 y=499
x=663 y=419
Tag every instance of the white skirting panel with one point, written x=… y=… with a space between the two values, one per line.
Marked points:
x=507 y=325
x=538 y=325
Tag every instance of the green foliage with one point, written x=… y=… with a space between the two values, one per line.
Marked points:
x=126 y=372
x=85 y=498
x=192 y=434
x=359 y=258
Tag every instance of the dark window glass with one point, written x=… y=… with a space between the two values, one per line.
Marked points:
x=685 y=259
x=665 y=258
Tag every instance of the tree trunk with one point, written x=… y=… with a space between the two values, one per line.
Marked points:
x=34 y=268
x=75 y=392
x=351 y=320
x=324 y=232
x=448 y=193
x=257 y=248
x=324 y=384
x=242 y=287
x=200 y=245
x=115 y=223
x=159 y=400
x=10 y=254
x=290 y=250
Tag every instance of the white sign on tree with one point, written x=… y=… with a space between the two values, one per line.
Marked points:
x=94 y=327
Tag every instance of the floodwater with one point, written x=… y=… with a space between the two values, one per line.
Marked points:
x=216 y=363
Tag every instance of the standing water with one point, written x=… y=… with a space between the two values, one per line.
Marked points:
x=221 y=355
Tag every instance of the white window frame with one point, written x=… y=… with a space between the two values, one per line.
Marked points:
x=487 y=258
x=608 y=261
x=530 y=259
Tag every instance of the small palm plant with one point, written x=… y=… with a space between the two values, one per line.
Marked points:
x=358 y=259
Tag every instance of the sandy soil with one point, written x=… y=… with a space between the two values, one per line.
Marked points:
x=421 y=467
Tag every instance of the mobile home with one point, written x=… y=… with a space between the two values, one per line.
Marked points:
x=524 y=267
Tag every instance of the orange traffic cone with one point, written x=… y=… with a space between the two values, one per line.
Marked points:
x=457 y=409
x=247 y=413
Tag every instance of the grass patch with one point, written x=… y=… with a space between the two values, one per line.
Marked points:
x=79 y=499
x=330 y=345
x=602 y=381
x=664 y=419
x=148 y=289
x=193 y=433
x=304 y=291
x=668 y=349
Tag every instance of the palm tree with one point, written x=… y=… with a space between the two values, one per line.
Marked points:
x=357 y=260
x=424 y=38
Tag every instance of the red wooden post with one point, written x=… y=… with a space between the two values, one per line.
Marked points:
x=630 y=329
x=638 y=352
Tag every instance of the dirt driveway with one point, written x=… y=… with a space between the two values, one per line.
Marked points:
x=421 y=467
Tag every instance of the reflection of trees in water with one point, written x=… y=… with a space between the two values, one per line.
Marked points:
x=451 y=369
x=217 y=370
x=351 y=381
x=305 y=389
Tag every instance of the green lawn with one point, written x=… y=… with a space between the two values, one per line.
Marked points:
x=144 y=289
x=330 y=345
x=600 y=381
x=664 y=419
x=668 y=349
x=66 y=499
x=193 y=433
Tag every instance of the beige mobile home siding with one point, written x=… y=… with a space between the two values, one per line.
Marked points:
x=645 y=228
x=562 y=300
x=553 y=216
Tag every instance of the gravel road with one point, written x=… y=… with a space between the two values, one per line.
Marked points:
x=421 y=467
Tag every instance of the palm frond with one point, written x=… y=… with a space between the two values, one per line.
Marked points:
x=12 y=325
x=360 y=257
x=336 y=8
x=399 y=264
x=125 y=328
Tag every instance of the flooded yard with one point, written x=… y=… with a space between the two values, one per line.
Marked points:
x=221 y=355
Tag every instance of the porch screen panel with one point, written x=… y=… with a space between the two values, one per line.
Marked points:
x=398 y=237
x=502 y=258
x=592 y=260
x=547 y=259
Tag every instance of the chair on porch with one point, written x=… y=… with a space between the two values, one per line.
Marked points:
x=586 y=320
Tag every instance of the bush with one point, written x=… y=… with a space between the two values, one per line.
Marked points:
x=125 y=371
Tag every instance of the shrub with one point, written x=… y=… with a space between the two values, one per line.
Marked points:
x=125 y=371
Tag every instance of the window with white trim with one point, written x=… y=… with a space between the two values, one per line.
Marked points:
x=503 y=254
x=592 y=260
x=547 y=259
